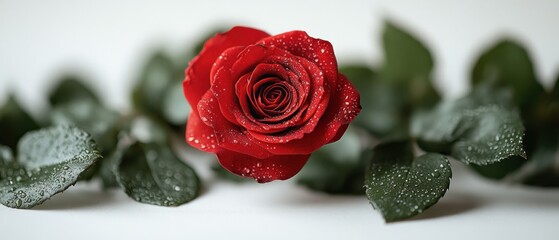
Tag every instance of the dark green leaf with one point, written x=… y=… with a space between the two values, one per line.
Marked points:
x=555 y=91
x=409 y=64
x=69 y=89
x=49 y=161
x=406 y=58
x=14 y=123
x=542 y=169
x=337 y=168
x=401 y=186
x=137 y=128
x=323 y=174
x=157 y=76
x=471 y=130
x=90 y=116
x=500 y=169
x=383 y=106
x=152 y=174
x=109 y=165
x=508 y=64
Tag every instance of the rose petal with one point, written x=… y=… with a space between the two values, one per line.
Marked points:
x=317 y=105
x=263 y=170
x=228 y=135
x=226 y=80
x=199 y=135
x=343 y=108
x=197 y=80
x=316 y=50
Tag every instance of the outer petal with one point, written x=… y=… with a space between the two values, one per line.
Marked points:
x=197 y=80
x=199 y=135
x=228 y=135
x=263 y=170
x=343 y=108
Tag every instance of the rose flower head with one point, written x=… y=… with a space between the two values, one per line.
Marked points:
x=264 y=103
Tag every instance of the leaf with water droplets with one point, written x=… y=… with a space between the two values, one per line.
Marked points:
x=401 y=186
x=69 y=89
x=472 y=129
x=50 y=160
x=90 y=116
x=152 y=174
x=14 y=123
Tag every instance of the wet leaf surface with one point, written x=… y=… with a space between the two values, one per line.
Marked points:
x=152 y=174
x=50 y=160
x=400 y=185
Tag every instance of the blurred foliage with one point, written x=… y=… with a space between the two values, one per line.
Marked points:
x=506 y=127
x=338 y=168
x=38 y=172
x=71 y=88
x=507 y=117
x=14 y=122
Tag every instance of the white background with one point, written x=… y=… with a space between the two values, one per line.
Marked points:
x=108 y=41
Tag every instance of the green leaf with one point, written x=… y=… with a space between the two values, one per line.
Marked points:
x=152 y=174
x=542 y=169
x=90 y=116
x=508 y=64
x=406 y=58
x=555 y=91
x=108 y=168
x=14 y=123
x=500 y=169
x=157 y=76
x=175 y=107
x=337 y=168
x=50 y=160
x=471 y=129
x=401 y=186
x=382 y=104
x=408 y=63
x=133 y=129
x=69 y=89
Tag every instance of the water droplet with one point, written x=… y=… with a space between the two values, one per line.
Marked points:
x=177 y=188
x=21 y=194
x=19 y=202
x=65 y=167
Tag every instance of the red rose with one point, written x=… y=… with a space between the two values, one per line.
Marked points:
x=264 y=103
